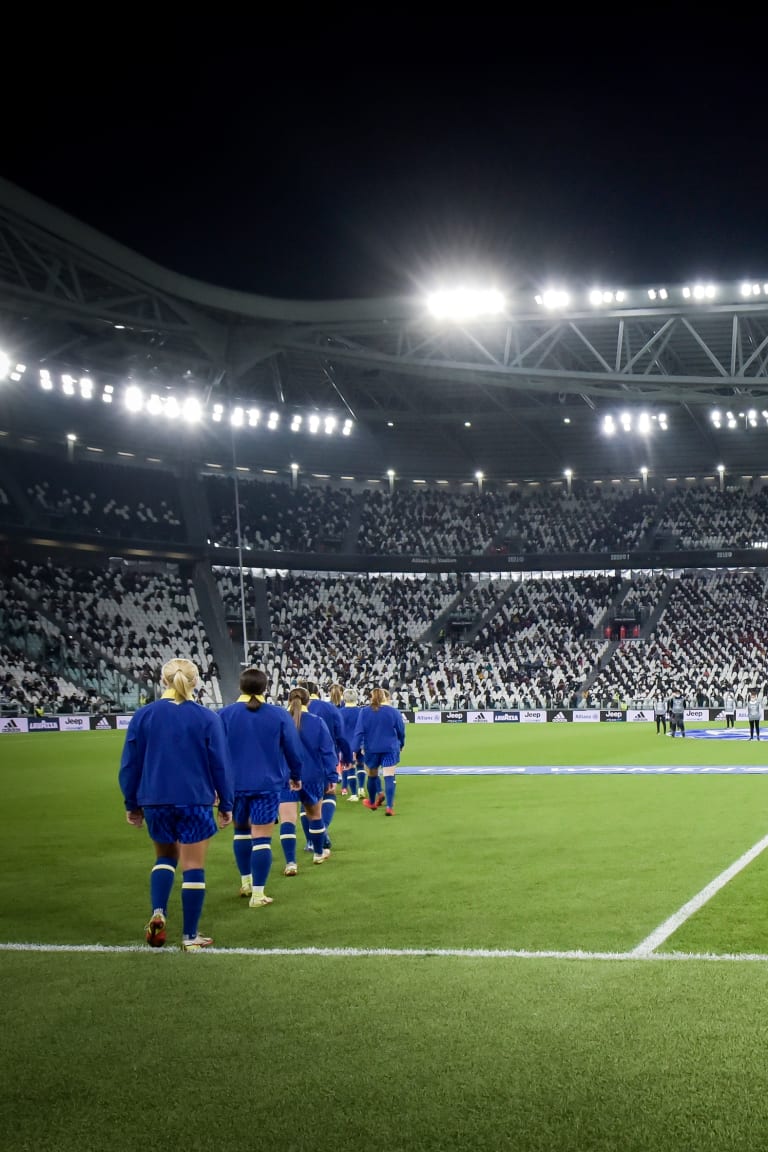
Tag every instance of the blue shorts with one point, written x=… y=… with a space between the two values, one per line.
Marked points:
x=180 y=823
x=309 y=794
x=255 y=808
x=382 y=759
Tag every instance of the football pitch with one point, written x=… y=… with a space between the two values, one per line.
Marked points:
x=568 y=960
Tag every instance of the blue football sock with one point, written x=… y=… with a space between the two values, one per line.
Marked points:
x=360 y=781
x=345 y=776
x=288 y=841
x=242 y=849
x=389 y=790
x=261 y=860
x=329 y=811
x=161 y=882
x=373 y=787
x=317 y=832
x=192 y=899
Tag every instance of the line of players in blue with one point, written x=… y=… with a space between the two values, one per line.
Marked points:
x=256 y=762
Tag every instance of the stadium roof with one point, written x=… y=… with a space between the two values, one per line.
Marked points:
x=521 y=395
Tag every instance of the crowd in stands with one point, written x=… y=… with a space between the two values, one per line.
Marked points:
x=431 y=523
x=274 y=516
x=96 y=499
x=585 y=521
x=711 y=639
x=706 y=518
x=133 y=620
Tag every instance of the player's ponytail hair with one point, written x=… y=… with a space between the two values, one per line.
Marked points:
x=336 y=694
x=378 y=697
x=253 y=683
x=298 y=698
x=180 y=676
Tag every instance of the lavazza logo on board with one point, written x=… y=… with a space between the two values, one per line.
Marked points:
x=43 y=725
x=74 y=723
x=428 y=718
x=506 y=717
x=14 y=725
x=533 y=716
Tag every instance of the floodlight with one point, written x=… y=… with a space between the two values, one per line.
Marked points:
x=568 y=473
x=330 y=424
x=752 y=414
x=620 y=297
x=698 y=292
x=107 y=397
x=746 y=289
x=347 y=428
x=390 y=472
x=687 y=293
x=626 y=421
x=721 y=468
x=218 y=412
x=154 y=405
x=651 y=293
x=45 y=380
x=5 y=365
x=172 y=407
x=595 y=297
x=554 y=298
x=236 y=419
x=253 y=417
x=68 y=385
x=465 y=303
x=314 y=422
x=755 y=289
x=607 y=297
x=479 y=475
x=643 y=471
x=644 y=424
x=71 y=437
x=192 y=410
x=134 y=400
x=715 y=415
x=663 y=294
x=608 y=426
x=710 y=291
x=273 y=421
x=109 y=388
x=294 y=467
x=86 y=387
x=295 y=423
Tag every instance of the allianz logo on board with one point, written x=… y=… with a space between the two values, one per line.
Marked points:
x=586 y=715
x=428 y=718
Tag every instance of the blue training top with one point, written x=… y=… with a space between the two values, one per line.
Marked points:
x=264 y=747
x=348 y=715
x=320 y=759
x=380 y=730
x=176 y=754
x=330 y=713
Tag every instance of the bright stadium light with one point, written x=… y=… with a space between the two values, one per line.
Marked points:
x=134 y=399
x=5 y=366
x=330 y=424
x=45 y=380
x=71 y=437
x=347 y=427
x=596 y=297
x=609 y=426
x=314 y=423
x=626 y=421
x=687 y=293
x=465 y=303
x=86 y=387
x=154 y=404
x=274 y=420
x=192 y=410
x=651 y=293
x=296 y=423
x=746 y=289
x=218 y=412
x=68 y=385
x=663 y=294
x=644 y=424
x=253 y=417
x=172 y=408
x=237 y=417
x=554 y=298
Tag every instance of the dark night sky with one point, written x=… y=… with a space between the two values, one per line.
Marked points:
x=359 y=163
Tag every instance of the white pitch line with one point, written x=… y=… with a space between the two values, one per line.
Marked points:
x=671 y=925
x=404 y=953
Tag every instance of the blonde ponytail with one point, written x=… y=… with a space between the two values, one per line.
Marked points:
x=180 y=676
x=336 y=694
x=378 y=697
x=298 y=698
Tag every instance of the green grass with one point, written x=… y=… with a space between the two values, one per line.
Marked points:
x=390 y=1053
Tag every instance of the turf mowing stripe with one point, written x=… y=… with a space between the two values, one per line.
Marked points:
x=591 y=770
x=671 y=925
x=404 y=953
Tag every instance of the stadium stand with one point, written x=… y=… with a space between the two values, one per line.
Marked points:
x=275 y=517
x=709 y=639
x=432 y=523
x=97 y=499
x=586 y=521
x=704 y=517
